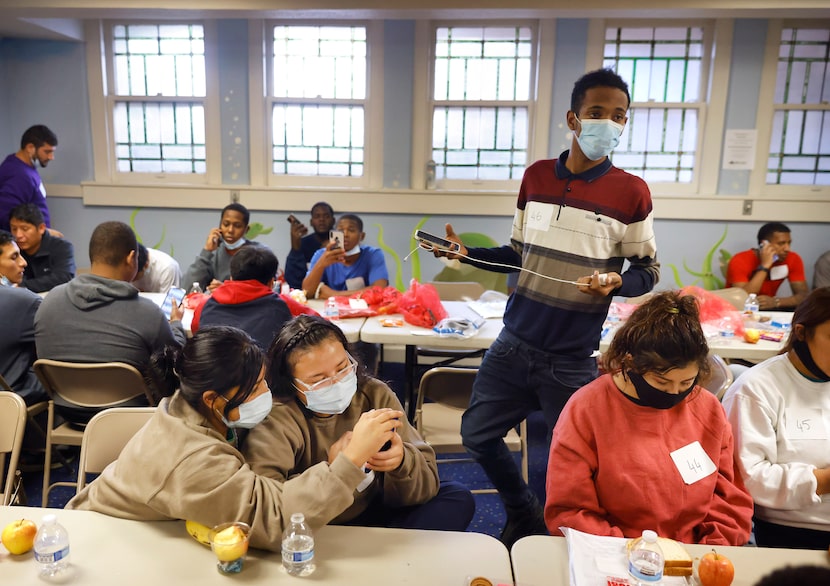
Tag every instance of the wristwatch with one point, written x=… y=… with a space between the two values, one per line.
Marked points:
x=762 y=268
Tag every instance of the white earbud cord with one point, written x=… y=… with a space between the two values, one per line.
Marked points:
x=499 y=264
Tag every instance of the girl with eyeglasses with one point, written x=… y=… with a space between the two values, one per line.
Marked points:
x=185 y=463
x=329 y=411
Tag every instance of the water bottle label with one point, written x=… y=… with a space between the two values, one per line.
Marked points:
x=52 y=557
x=302 y=556
x=645 y=572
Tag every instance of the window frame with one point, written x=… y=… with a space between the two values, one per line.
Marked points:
x=711 y=106
x=541 y=76
x=766 y=111
x=103 y=99
x=262 y=102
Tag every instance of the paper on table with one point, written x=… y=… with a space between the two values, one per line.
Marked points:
x=488 y=309
x=595 y=560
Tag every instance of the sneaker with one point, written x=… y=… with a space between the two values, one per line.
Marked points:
x=528 y=520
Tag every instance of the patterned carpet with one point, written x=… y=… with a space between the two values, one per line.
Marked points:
x=489 y=517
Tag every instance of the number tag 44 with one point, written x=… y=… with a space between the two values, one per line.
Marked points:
x=693 y=462
x=804 y=423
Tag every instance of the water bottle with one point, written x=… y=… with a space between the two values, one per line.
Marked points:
x=196 y=288
x=52 y=550
x=751 y=306
x=645 y=560
x=298 y=547
x=331 y=311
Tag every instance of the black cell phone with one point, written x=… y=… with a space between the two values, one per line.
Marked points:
x=292 y=219
x=386 y=446
x=428 y=240
x=176 y=295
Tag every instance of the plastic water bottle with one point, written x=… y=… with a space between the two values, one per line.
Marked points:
x=645 y=561
x=52 y=550
x=751 y=306
x=196 y=288
x=298 y=547
x=331 y=311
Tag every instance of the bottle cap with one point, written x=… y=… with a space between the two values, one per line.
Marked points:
x=49 y=519
x=297 y=517
x=649 y=535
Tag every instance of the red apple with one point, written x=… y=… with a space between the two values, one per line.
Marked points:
x=715 y=570
x=19 y=536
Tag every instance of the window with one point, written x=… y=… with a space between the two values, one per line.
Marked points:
x=157 y=95
x=482 y=89
x=665 y=68
x=318 y=88
x=799 y=150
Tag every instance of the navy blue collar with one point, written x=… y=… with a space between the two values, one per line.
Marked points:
x=562 y=172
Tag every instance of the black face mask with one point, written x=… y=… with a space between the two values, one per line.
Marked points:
x=806 y=357
x=650 y=396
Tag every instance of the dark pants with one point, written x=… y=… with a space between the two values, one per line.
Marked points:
x=514 y=380
x=774 y=535
x=451 y=509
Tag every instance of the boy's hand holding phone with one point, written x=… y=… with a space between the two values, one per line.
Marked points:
x=298 y=230
x=213 y=240
x=766 y=253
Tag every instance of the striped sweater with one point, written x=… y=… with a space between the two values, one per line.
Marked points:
x=566 y=226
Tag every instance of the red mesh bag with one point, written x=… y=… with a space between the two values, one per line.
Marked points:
x=421 y=306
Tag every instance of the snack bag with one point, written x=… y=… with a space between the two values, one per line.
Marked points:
x=421 y=305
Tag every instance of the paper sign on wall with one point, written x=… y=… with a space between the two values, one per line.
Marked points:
x=739 y=149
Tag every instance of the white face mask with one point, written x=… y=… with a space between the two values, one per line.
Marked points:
x=251 y=413
x=353 y=251
x=234 y=245
x=334 y=399
x=598 y=137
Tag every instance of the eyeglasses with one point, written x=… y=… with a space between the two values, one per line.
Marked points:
x=329 y=381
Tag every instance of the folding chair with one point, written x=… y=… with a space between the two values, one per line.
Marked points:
x=12 y=426
x=721 y=377
x=443 y=396
x=105 y=436
x=96 y=385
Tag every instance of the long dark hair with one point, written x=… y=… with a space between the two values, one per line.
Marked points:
x=810 y=313
x=216 y=358
x=662 y=334
x=300 y=334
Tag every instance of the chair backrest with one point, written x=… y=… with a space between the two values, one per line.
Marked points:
x=12 y=426
x=720 y=378
x=448 y=386
x=458 y=291
x=105 y=436
x=734 y=295
x=101 y=384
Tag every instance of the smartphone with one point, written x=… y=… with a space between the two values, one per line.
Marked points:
x=292 y=219
x=762 y=245
x=336 y=236
x=386 y=446
x=428 y=240
x=175 y=294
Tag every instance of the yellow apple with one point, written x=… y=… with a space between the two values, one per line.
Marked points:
x=230 y=544
x=752 y=335
x=19 y=536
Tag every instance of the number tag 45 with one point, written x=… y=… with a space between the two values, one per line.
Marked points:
x=693 y=462
x=804 y=423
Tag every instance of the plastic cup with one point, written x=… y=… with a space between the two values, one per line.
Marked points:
x=229 y=542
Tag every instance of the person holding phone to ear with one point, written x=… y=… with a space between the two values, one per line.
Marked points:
x=762 y=270
x=213 y=265
x=305 y=244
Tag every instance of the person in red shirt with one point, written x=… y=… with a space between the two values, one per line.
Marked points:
x=762 y=270
x=646 y=446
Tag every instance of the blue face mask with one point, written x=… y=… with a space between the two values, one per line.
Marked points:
x=334 y=399
x=598 y=137
x=251 y=413
x=4 y=281
x=233 y=245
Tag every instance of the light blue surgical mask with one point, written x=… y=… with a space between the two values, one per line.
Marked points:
x=333 y=399
x=598 y=137
x=251 y=413
x=4 y=281
x=234 y=245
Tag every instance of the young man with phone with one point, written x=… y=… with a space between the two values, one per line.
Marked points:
x=212 y=266
x=762 y=270
x=304 y=245
x=576 y=217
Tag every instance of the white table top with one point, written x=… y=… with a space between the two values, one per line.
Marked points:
x=373 y=331
x=106 y=550
x=541 y=560
x=350 y=326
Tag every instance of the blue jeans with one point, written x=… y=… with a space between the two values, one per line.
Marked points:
x=514 y=380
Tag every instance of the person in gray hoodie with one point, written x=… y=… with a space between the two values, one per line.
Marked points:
x=99 y=317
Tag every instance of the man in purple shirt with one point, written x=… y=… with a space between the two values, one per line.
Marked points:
x=19 y=180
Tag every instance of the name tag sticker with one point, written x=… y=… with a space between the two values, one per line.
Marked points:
x=778 y=272
x=693 y=463
x=538 y=215
x=358 y=304
x=355 y=283
x=804 y=423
